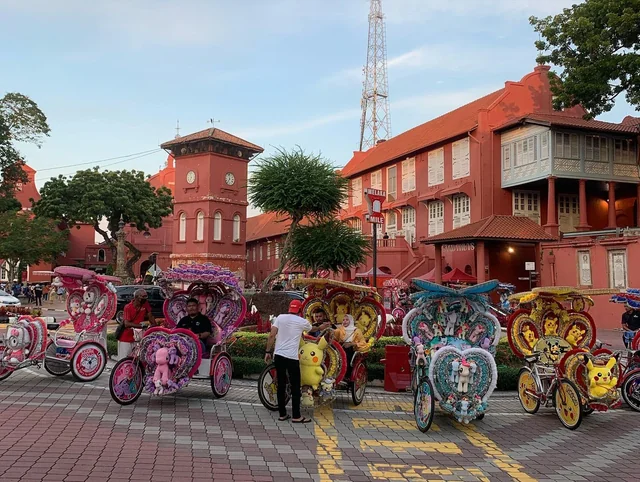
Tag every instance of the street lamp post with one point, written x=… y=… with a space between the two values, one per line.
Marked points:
x=121 y=258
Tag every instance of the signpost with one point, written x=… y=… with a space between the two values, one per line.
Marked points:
x=530 y=266
x=375 y=198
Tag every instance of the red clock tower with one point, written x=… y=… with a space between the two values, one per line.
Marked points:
x=210 y=198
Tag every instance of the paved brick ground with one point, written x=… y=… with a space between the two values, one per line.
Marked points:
x=53 y=429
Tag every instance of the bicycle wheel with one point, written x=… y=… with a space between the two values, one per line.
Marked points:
x=631 y=390
x=359 y=377
x=424 y=404
x=268 y=388
x=88 y=362
x=55 y=367
x=568 y=406
x=526 y=387
x=126 y=381
x=222 y=373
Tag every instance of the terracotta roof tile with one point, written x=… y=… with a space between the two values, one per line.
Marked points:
x=631 y=121
x=563 y=120
x=456 y=122
x=212 y=134
x=267 y=225
x=495 y=227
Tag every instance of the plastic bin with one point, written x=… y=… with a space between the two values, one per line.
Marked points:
x=397 y=372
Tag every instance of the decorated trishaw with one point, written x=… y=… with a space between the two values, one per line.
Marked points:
x=323 y=361
x=453 y=338
x=396 y=295
x=629 y=358
x=554 y=333
x=91 y=303
x=166 y=357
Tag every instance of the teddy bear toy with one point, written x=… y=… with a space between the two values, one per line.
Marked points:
x=311 y=358
x=163 y=372
x=600 y=380
x=16 y=341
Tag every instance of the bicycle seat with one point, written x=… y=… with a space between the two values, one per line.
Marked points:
x=66 y=343
x=53 y=326
x=532 y=358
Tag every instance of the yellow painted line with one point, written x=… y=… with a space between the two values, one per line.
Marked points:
x=421 y=472
x=491 y=449
x=368 y=423
x=384 y=406
x=327 y=451
x=399 y=447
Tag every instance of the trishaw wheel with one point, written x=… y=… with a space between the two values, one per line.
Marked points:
x=126 y=381
x=88 y=362
x=359 y=378
x=424 y=404
x=586 y=410
x=568 y=406
x=480 y=417
x=631 y=390
x=4 y=372
x=268 y=388
x=526 y=385
x=54 y=367
x=222 y=373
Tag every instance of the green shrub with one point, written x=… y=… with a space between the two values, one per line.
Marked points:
x=112 y=345
x=504 y=355
x=243 y=366
x=507 y=378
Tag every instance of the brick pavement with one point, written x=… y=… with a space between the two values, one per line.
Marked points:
x=53 y=429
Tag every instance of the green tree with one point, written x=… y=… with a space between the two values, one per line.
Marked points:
x=20 y=121
x=332 y=245
x=90 y=196
x=596 y=44
x=25 y=240
x=296 y=186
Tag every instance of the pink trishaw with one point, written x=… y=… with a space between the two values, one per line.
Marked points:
x=166 y=358
x=91 y=303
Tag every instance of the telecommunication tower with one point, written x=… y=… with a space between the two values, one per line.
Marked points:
x=375 y=123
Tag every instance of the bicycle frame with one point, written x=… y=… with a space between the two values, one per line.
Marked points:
x=546 y=379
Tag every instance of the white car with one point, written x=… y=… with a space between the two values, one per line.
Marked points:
x=8 y=300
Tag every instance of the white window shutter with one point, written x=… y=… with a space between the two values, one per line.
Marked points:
x=405 y=176
x=440 y=225
x=440 y=172
x=432 y=226
x=431 y=168
x=455 y=160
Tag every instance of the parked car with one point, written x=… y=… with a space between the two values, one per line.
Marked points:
x=8 y=300
x=125 y=295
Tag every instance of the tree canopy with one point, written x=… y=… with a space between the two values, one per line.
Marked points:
x=596 y=44
x=298 y=186
x=91 y=195
x=330 y=245
x=20 y=121
x=25 y=240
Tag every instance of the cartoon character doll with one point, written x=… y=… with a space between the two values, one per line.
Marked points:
x=574 y=335
x=529 y=336
x=551 y=326
x=425 y=331
x=16 y=341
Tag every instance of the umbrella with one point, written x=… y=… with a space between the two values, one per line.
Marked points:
x=458 y=276
x=370 y=273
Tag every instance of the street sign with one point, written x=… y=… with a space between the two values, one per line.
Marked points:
x=374 y=219
x=530 y=266
x=375 y=198
x=523 y=279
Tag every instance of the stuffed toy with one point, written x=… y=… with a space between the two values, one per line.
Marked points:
x=311 y=358
x=16 y=341
x=575 y=335
x=163 y=372
x=600 y=380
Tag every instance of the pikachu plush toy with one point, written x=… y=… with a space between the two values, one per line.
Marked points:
x=601 y=381
x=311 y=357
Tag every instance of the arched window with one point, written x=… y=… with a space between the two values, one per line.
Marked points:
x=183 y=227
x=101 y=256
x=217 y=226
x=236 y=228
x=200 y=226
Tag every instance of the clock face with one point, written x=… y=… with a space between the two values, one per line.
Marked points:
x=229 y=178
x=191 y=177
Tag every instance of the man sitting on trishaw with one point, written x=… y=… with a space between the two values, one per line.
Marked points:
x=197 y=323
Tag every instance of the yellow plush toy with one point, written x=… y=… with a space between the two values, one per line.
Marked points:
x=311 y=357
x=600 y=380
x=575 y=335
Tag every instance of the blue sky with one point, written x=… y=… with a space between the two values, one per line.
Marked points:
x=114 y=76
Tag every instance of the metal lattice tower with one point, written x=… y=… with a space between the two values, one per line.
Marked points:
x=375 y=123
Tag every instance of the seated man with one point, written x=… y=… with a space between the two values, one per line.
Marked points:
x=320 y=322
x=351 y=338
x=197 y=323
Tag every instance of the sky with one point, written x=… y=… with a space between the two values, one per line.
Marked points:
x=114 y=76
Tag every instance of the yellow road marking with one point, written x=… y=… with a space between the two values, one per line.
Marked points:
x=491 y=449
x=398 y=447
x=420 y=472
x=327 y=450
x=379 y=405
x=370 y=423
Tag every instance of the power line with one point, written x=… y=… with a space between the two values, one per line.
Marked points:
x=141 y=154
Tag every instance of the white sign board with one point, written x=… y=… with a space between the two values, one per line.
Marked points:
x=530 y=266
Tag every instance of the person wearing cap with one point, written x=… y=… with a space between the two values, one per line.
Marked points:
x=286 y=331
x=136 y=315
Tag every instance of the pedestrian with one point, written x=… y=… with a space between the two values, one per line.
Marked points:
x=45 y=292
x=136 y=314
x=37 y=291
x=286 y=331
x=630 y=325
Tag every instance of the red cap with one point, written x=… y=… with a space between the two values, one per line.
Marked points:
x=294 y=306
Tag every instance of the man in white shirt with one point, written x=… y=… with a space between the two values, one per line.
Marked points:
x=287 y=330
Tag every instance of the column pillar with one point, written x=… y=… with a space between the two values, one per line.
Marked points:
x=438 y=267
x=612 y=206
x=552 y=219
x=480 y=262
x=638 y=207
x=584 y=224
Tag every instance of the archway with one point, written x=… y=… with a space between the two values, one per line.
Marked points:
x=386 y=270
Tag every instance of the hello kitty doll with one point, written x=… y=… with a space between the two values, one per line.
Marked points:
x=16 y=341
x=74 y=307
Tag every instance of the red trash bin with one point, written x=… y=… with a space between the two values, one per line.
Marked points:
x=397 y=372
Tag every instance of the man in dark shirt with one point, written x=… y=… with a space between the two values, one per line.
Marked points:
x=196 y=322
x=320 y=322
x=630 y=325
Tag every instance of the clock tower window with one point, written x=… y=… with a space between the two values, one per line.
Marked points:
x=217 y=226
x=236 y=228
x=200 y=226
x=183 y=227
